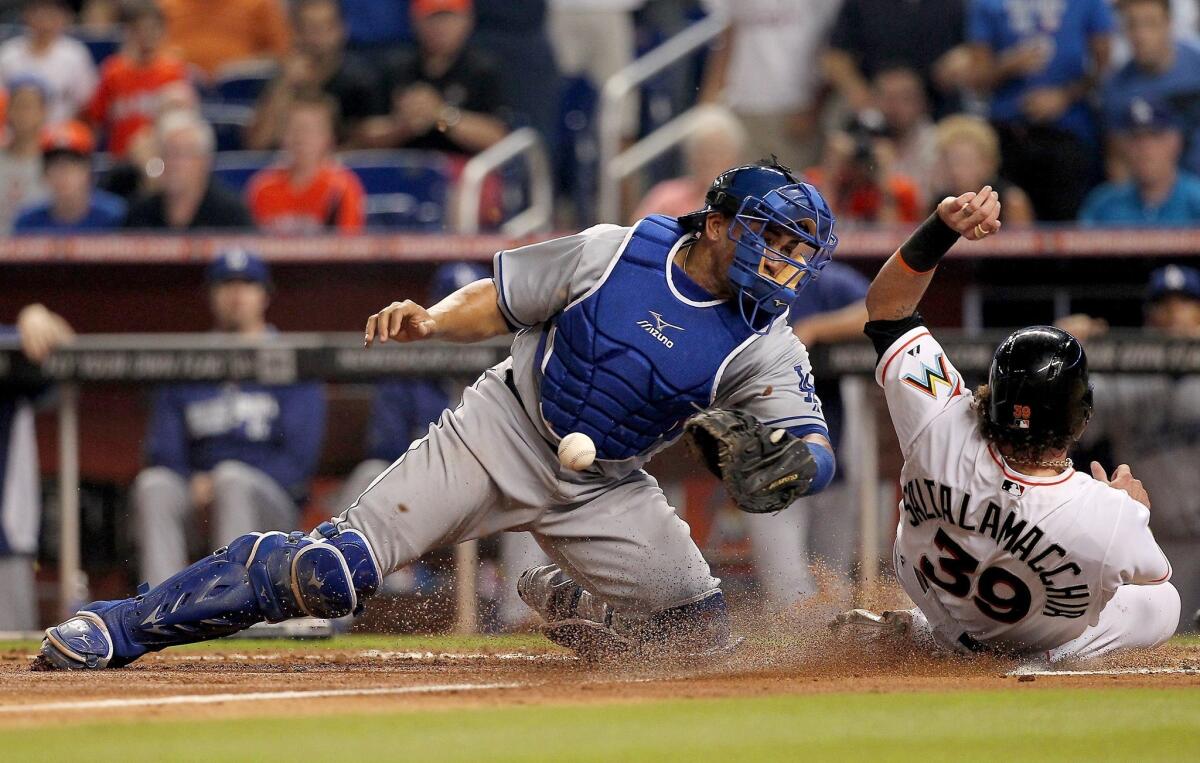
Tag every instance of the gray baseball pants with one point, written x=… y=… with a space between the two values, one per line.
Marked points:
x=244 y=500
x=484 y=468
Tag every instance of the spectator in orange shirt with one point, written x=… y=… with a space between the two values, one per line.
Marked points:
x=858 y=178
x=131 y=81
x=213 y=33
x=309 y=190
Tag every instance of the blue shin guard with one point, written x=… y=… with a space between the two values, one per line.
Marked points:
x=260 y=576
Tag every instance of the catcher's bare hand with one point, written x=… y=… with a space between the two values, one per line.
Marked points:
x=403 y=321
x=1123 y=479
x=974 y=215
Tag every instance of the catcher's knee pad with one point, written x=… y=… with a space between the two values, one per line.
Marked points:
x=365 y=574
x=698 y=626
x=295 y=575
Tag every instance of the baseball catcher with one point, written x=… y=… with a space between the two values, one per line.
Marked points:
x=621 y=335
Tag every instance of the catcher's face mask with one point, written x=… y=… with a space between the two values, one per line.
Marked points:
x=783 y=240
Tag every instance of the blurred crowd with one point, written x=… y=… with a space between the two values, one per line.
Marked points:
x=362 y=113
x=305 y=116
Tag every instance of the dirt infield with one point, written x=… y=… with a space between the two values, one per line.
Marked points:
x=231 y=682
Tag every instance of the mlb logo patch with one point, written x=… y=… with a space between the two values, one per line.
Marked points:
x=1021 y=416
x=1015 y=489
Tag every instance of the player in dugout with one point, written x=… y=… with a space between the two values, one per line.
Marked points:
x=622 y=334
x=1003 y=546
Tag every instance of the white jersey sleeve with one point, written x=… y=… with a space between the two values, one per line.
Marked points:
x=538 y=281
x=1133 y=554
x=771 y=379
x=918 y=380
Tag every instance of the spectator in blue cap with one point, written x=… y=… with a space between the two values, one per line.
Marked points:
x=243 y=451
x=239 y=266
x=1162 y=67
x=1173 y=301
x=1158 y=192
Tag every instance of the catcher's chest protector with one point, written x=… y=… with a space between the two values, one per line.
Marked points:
x=629 y=362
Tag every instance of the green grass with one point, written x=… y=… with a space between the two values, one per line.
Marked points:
x=1022 y=723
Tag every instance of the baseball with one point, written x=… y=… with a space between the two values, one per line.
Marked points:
x=576 y=451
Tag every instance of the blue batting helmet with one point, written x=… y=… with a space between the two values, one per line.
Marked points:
x=766 y=197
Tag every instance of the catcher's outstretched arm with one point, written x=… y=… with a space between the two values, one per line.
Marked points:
x=470 y=314
x=903 y=279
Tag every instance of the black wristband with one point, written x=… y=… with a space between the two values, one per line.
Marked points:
x=928 y=244
x=883 y=334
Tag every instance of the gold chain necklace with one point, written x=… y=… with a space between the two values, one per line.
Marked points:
x=1047 y=463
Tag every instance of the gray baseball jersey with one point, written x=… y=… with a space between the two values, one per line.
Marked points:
x=769 y=376
x=490 y=464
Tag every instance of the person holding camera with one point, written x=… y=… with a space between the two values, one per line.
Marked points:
x=858 y=175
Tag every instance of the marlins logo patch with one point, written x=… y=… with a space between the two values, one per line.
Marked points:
x=932 y=377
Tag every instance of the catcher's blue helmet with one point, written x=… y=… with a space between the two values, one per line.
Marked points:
x=761 y=198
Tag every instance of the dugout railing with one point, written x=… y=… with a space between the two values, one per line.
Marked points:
x=144 y=359
x=1040 y=243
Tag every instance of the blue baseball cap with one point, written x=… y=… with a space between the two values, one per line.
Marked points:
x=1147 y=115
x=1173 y=279
x=238 y=264
x=452 y=276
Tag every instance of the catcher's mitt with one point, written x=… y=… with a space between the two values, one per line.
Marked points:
x=763 y=469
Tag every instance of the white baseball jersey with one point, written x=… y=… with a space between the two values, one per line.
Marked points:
x=989 y=553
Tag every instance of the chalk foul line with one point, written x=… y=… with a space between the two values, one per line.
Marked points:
x=1029 y=670
x=261 y=696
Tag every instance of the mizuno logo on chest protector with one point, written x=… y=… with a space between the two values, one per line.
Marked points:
x=656 y=329
x=604 y=372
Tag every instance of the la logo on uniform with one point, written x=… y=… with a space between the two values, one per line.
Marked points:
x=656 y=329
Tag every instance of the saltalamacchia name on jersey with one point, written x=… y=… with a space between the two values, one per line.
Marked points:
x=926 y=499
